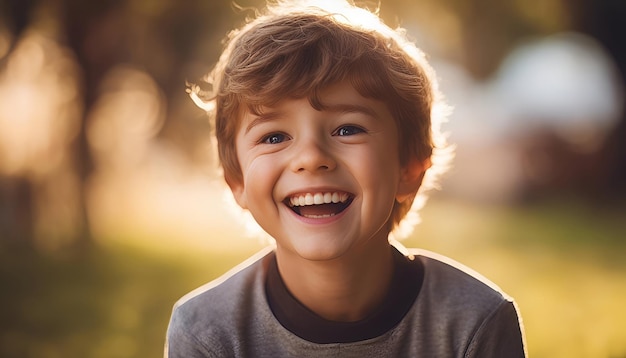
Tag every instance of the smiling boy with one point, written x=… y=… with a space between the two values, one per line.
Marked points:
x=327 y=123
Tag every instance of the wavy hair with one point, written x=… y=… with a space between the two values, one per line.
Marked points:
x=296 y=48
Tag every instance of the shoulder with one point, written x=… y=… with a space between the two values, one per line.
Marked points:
x=443 y=275
x=233 y=283
x=453 y=289
x=458 y=299
x=205 y=317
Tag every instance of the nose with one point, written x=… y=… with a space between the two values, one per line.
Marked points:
x=312 y=155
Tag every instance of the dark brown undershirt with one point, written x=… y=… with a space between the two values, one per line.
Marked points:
x=294 y=316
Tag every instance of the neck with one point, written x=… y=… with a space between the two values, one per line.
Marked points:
x=345 y=289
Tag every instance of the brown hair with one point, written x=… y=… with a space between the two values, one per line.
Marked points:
x=294 y=50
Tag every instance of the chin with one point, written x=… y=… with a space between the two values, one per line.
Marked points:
x=320 y=250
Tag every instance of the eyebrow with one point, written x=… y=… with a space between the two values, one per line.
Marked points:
x=261 y=118
x=336 y=108
x=351 y=108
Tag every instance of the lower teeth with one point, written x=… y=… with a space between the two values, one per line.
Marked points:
x=318 y=216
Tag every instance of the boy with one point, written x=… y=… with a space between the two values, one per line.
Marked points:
x=325 y=122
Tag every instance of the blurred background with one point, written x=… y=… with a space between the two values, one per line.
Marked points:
x=111 y=209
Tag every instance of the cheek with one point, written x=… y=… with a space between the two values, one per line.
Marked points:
x=383 y=161
x=381 y=172
x=260 y=177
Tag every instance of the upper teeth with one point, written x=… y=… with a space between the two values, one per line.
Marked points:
x=318 y=198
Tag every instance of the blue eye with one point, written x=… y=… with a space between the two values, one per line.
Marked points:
x=274 y=138
x=349 y=130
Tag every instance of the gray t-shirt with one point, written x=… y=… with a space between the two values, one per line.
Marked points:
x=457 y=313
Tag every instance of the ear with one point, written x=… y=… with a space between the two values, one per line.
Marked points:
x=411 y=178
x=237 y=187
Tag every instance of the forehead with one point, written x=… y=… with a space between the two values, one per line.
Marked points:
x=344 y=92
x=338 y=97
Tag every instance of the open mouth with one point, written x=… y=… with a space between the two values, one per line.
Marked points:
x=319 y=205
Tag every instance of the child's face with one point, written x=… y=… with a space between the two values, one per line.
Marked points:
x=321 y=183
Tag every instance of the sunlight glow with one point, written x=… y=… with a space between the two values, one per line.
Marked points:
x=143 y=186
x=127 y=115
x=39 y=118
x=37 y=106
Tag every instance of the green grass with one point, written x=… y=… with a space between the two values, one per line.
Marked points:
x=109 y=302
x=564 y=264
